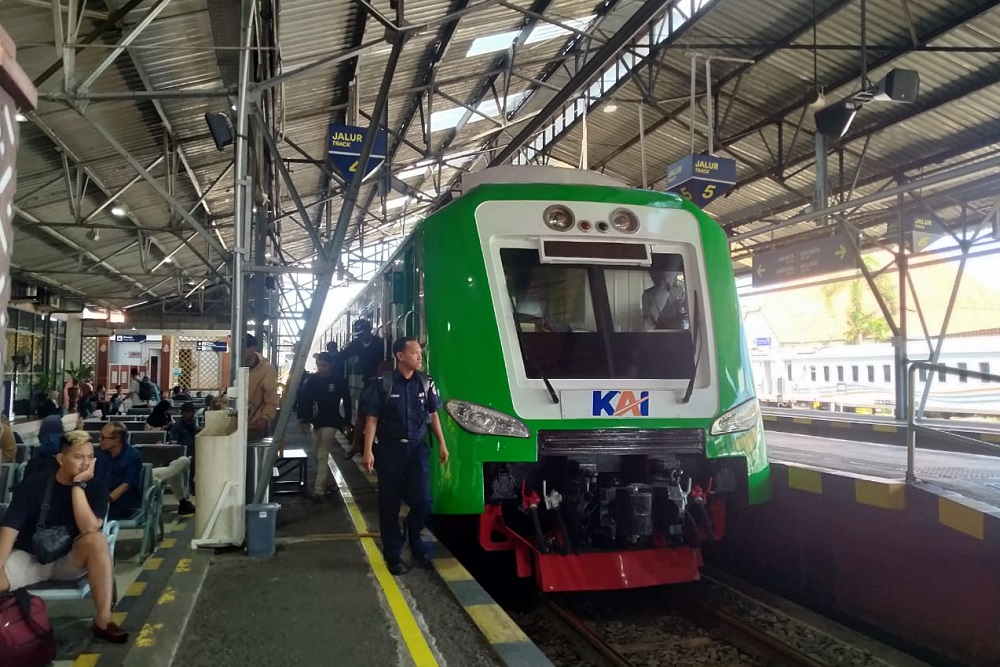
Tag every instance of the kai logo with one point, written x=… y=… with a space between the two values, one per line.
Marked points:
x=621 y=404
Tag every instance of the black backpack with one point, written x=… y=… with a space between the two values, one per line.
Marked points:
x=145 y=390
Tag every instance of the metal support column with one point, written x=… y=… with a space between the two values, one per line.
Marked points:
x=903 y=394
x=332 y=253
x=242 y=191
x=822 y=176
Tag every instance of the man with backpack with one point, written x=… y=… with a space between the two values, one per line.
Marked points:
x=399 y=409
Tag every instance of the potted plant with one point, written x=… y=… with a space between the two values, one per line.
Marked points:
x=78 y=374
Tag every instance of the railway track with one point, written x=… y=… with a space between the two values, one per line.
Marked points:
x=707 y=623
x=716 y=635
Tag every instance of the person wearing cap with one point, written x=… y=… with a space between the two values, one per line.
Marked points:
x=263 y=393
x=183 y=432
x=319 y=411
x=370 y=352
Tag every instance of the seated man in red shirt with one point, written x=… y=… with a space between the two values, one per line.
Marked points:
x=78 y=502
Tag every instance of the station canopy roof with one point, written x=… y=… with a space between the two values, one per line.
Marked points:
x=124 y=200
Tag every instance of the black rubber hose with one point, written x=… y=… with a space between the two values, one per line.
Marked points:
x=563 y=546
x=543 y=545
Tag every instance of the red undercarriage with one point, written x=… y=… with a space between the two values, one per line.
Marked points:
x=597 y=570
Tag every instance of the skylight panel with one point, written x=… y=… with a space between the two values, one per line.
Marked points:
x=541 y=33
x=491 y=43
x=662 y=31
x=546 y=31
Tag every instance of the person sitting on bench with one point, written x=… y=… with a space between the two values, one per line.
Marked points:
x=120 y=467
x=78 y=502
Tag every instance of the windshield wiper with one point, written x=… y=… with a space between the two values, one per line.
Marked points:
x=696 y=333
x=524 y=353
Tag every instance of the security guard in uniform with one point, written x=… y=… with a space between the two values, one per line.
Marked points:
x=400 y=418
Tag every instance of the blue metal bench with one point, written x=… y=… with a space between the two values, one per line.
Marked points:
x=149 y=515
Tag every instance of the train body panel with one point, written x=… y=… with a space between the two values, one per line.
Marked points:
x=565 y=359
x=861 y=378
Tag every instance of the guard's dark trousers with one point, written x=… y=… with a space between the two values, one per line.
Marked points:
x=403 y=474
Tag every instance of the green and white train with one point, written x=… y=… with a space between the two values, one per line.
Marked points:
x=587 y=343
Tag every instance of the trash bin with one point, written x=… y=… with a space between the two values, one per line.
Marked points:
x=261 y=522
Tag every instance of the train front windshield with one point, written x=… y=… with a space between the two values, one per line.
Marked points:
x=589 y=321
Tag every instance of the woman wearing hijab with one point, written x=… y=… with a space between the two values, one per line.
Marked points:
x=50 y=433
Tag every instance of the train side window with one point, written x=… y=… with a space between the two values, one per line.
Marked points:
x=871 y=374
x=887 y=373
x=984 y=367
x=923 y=374
x=826 y=373
x=812 y=373
x=854 y=374
x=840 y=373
x=942 y=376
x=790 y=378
x=962 y=366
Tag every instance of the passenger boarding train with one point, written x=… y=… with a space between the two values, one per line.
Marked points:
x=587 y=343
x=861 y=378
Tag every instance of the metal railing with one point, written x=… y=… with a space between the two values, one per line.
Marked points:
x=913 y=428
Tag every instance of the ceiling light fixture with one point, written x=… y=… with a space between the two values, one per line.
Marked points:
x=21 y=118
x=118 y=211
x=610 y=107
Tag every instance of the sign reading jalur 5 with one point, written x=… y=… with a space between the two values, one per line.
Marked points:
x=344 y=148
x=702 y=179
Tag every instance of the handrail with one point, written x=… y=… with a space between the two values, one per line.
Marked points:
x=912 y=427
x=402 y=317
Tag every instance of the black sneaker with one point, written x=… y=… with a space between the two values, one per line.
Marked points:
x=185 y=507
x=397 y=568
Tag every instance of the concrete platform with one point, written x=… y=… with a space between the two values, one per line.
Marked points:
x=884 y=430
x=974 y=476
x=913 y=563
x=326 y=598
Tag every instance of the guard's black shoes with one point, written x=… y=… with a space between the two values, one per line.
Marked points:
x=397 y=568
x=185 y=507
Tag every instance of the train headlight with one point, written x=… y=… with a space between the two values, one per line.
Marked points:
x=558 y=217
x=477 y=418
x=624 y=220
x=741 y=418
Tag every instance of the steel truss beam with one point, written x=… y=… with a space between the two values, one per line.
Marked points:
x=974 y=83
x=333 y=251
x=607 y=53
x=70 y=243
x=770 y=50
x=123 y=44
x=91 y=175
x=941 y=177
x=898 y=52
x=109 y=24
x=149 y=178
x=434 y=56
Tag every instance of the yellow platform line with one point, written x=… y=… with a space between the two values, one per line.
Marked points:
x=86 y=660
x=414 y=639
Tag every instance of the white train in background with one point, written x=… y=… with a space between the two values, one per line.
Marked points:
x=861 y=378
